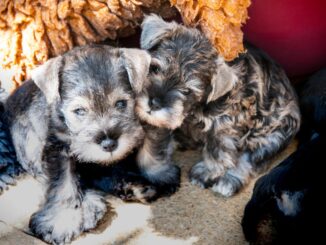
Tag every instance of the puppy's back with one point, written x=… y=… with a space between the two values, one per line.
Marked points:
x=26 y=117
x=19 y=103
x=275 y=81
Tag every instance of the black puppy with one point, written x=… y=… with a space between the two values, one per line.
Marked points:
x=291 y=192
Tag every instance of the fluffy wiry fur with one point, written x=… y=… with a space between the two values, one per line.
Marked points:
x=291 y=193
x=78 y=107
x=240 y=113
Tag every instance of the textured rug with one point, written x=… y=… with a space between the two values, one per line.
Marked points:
x=191 y=216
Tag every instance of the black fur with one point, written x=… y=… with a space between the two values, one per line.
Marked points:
x=291 y=194
x=124 y=180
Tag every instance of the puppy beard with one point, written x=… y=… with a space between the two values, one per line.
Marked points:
x=167 y=117
x=88 y=151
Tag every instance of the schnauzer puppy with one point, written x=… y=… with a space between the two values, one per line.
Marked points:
x=290 y=193
x=241 y=113
x=78 y=107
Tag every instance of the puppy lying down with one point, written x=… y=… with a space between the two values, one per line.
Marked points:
x=291 y=193
x=77 y=108
x=239 y=114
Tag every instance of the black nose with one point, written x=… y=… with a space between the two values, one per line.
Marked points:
x=109 y=145
x=155 y=104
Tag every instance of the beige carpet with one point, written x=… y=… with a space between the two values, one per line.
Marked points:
x=191 y=216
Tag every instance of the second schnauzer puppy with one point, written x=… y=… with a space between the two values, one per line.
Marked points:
x=241 y=112
x=78 y=107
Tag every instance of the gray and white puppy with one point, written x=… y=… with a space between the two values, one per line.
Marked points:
x=240 y=113
x=78 y=107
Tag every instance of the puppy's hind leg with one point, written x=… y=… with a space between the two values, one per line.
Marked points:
x=154 y=160
x=261 y=146
x=248 y=163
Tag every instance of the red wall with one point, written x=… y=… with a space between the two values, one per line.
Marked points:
x=293 y=32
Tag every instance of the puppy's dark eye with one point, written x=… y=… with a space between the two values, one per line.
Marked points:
x=120 y=104
x=185 y=91
x=154 y=69
x=80 y=111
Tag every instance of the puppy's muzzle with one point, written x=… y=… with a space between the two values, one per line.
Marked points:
x=155 y=104
x=108 y=140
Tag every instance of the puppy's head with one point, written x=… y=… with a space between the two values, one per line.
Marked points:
x=185 y=70
x=92 y=92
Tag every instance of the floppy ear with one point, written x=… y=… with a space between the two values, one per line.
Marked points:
x=46 y=77
x=137 y=64
x=222 y=81
x=154 y=28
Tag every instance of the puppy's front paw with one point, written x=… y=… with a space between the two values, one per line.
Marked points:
x=60 y=223
x=227 y=185
x=94 y=208
x=164 y=178
x=200 y=175
x=57 y=224
x=136 y=192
